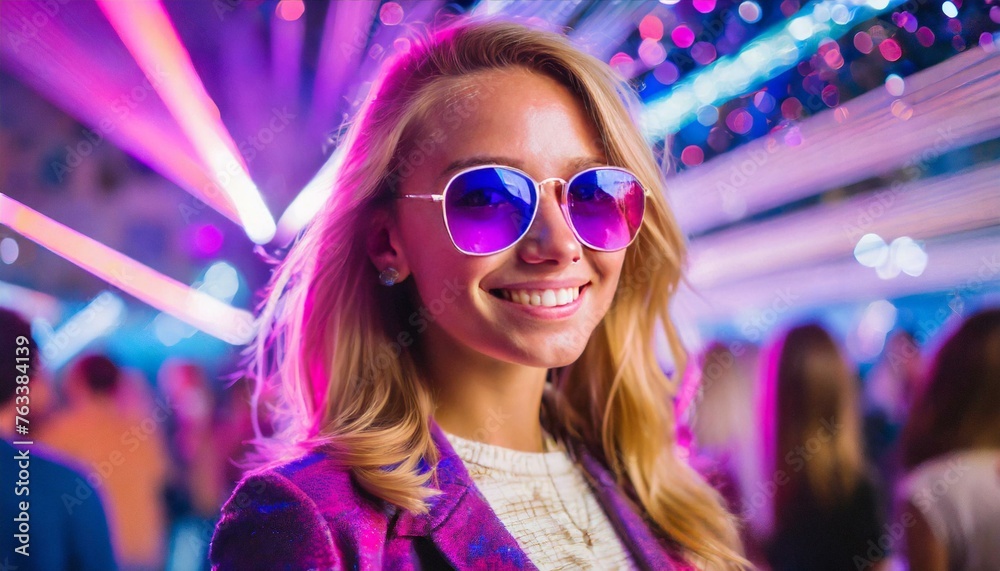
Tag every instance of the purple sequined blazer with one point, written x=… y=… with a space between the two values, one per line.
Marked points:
x=311 y=514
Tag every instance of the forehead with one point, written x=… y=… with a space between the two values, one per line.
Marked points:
x=508 y=112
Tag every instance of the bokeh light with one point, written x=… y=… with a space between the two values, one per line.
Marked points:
x=890 y=50
x=704 y=6
x=925 y=36
x=739 y=121
x=651 y=28
x=682 y=36
x=692 y=155
x=207 y=240
x=863 y=42
x=390 y=14
x=764 y=101
x=900 y=109
x=894 y=84
x=666 y=73
x=750 y=11
x=652 y=53
x=708 y=115
x=871 y=250
x=9 y=250
x=791 y=108
x=703 y=53
x=830 y=96
x=290 y=10
x=622 y=63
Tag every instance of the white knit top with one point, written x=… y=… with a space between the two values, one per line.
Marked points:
x=546 y=504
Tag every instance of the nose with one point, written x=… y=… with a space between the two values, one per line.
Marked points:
x=550 y=237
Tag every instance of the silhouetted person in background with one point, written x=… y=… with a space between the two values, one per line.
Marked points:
x=65 y=531
x=723 y=423
x=890 y=390
x=826 y=507
x=952 y=446
x=126 y=455
x=207 y=434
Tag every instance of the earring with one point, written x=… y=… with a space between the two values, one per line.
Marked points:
x=388 y=276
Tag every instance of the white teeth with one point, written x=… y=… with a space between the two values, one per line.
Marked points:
x=545 y=298
x=563 y=297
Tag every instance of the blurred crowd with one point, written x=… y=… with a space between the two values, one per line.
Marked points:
x=832 y=470
x=125 y=473
x=826 y=469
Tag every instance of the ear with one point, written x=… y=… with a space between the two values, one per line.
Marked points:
x=384 y=244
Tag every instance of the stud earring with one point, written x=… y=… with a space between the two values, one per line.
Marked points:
x=388 y=276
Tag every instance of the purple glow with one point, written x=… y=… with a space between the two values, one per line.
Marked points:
x=682 y=36
x=703 y=53
x=652 y=53
x=704 y=6
x=390 y=14
x=739 y=121
x=207 y=240
x=666 y=73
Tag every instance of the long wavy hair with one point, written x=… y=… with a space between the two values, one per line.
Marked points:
x=818 y=426
x=330 y=343
x=957 y=409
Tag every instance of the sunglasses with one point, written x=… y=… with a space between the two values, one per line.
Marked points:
x=489 y=208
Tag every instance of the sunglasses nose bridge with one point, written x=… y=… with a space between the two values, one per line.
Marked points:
x=559 y=191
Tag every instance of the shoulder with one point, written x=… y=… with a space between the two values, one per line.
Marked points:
x=305 y=514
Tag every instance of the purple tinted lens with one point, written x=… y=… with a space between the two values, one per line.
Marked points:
x=606 y=206
x=488 y=209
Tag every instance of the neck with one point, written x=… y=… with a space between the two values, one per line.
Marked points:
x=487 y=400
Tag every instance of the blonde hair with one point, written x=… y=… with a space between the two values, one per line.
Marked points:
x=331 y=340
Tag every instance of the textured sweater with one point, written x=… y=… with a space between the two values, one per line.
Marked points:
x=544 y=501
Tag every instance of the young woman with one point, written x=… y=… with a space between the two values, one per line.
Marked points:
x=951 y=444
x=462 y=339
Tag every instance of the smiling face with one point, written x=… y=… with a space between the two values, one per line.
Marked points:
x=531 y=122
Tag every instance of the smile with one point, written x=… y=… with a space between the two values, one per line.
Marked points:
x=539 y=297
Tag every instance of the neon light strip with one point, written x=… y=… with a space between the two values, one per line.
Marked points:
x=194 y=307
x=921 y=209
x=967 y=266
x=145 y=29
x=75 y=64
x=310 y=200
x=953 y=105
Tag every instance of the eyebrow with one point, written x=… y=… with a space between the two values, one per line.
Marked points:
x=576 y=164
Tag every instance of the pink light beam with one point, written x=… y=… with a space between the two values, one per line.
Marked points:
x=146 y=30
x=192 y=306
